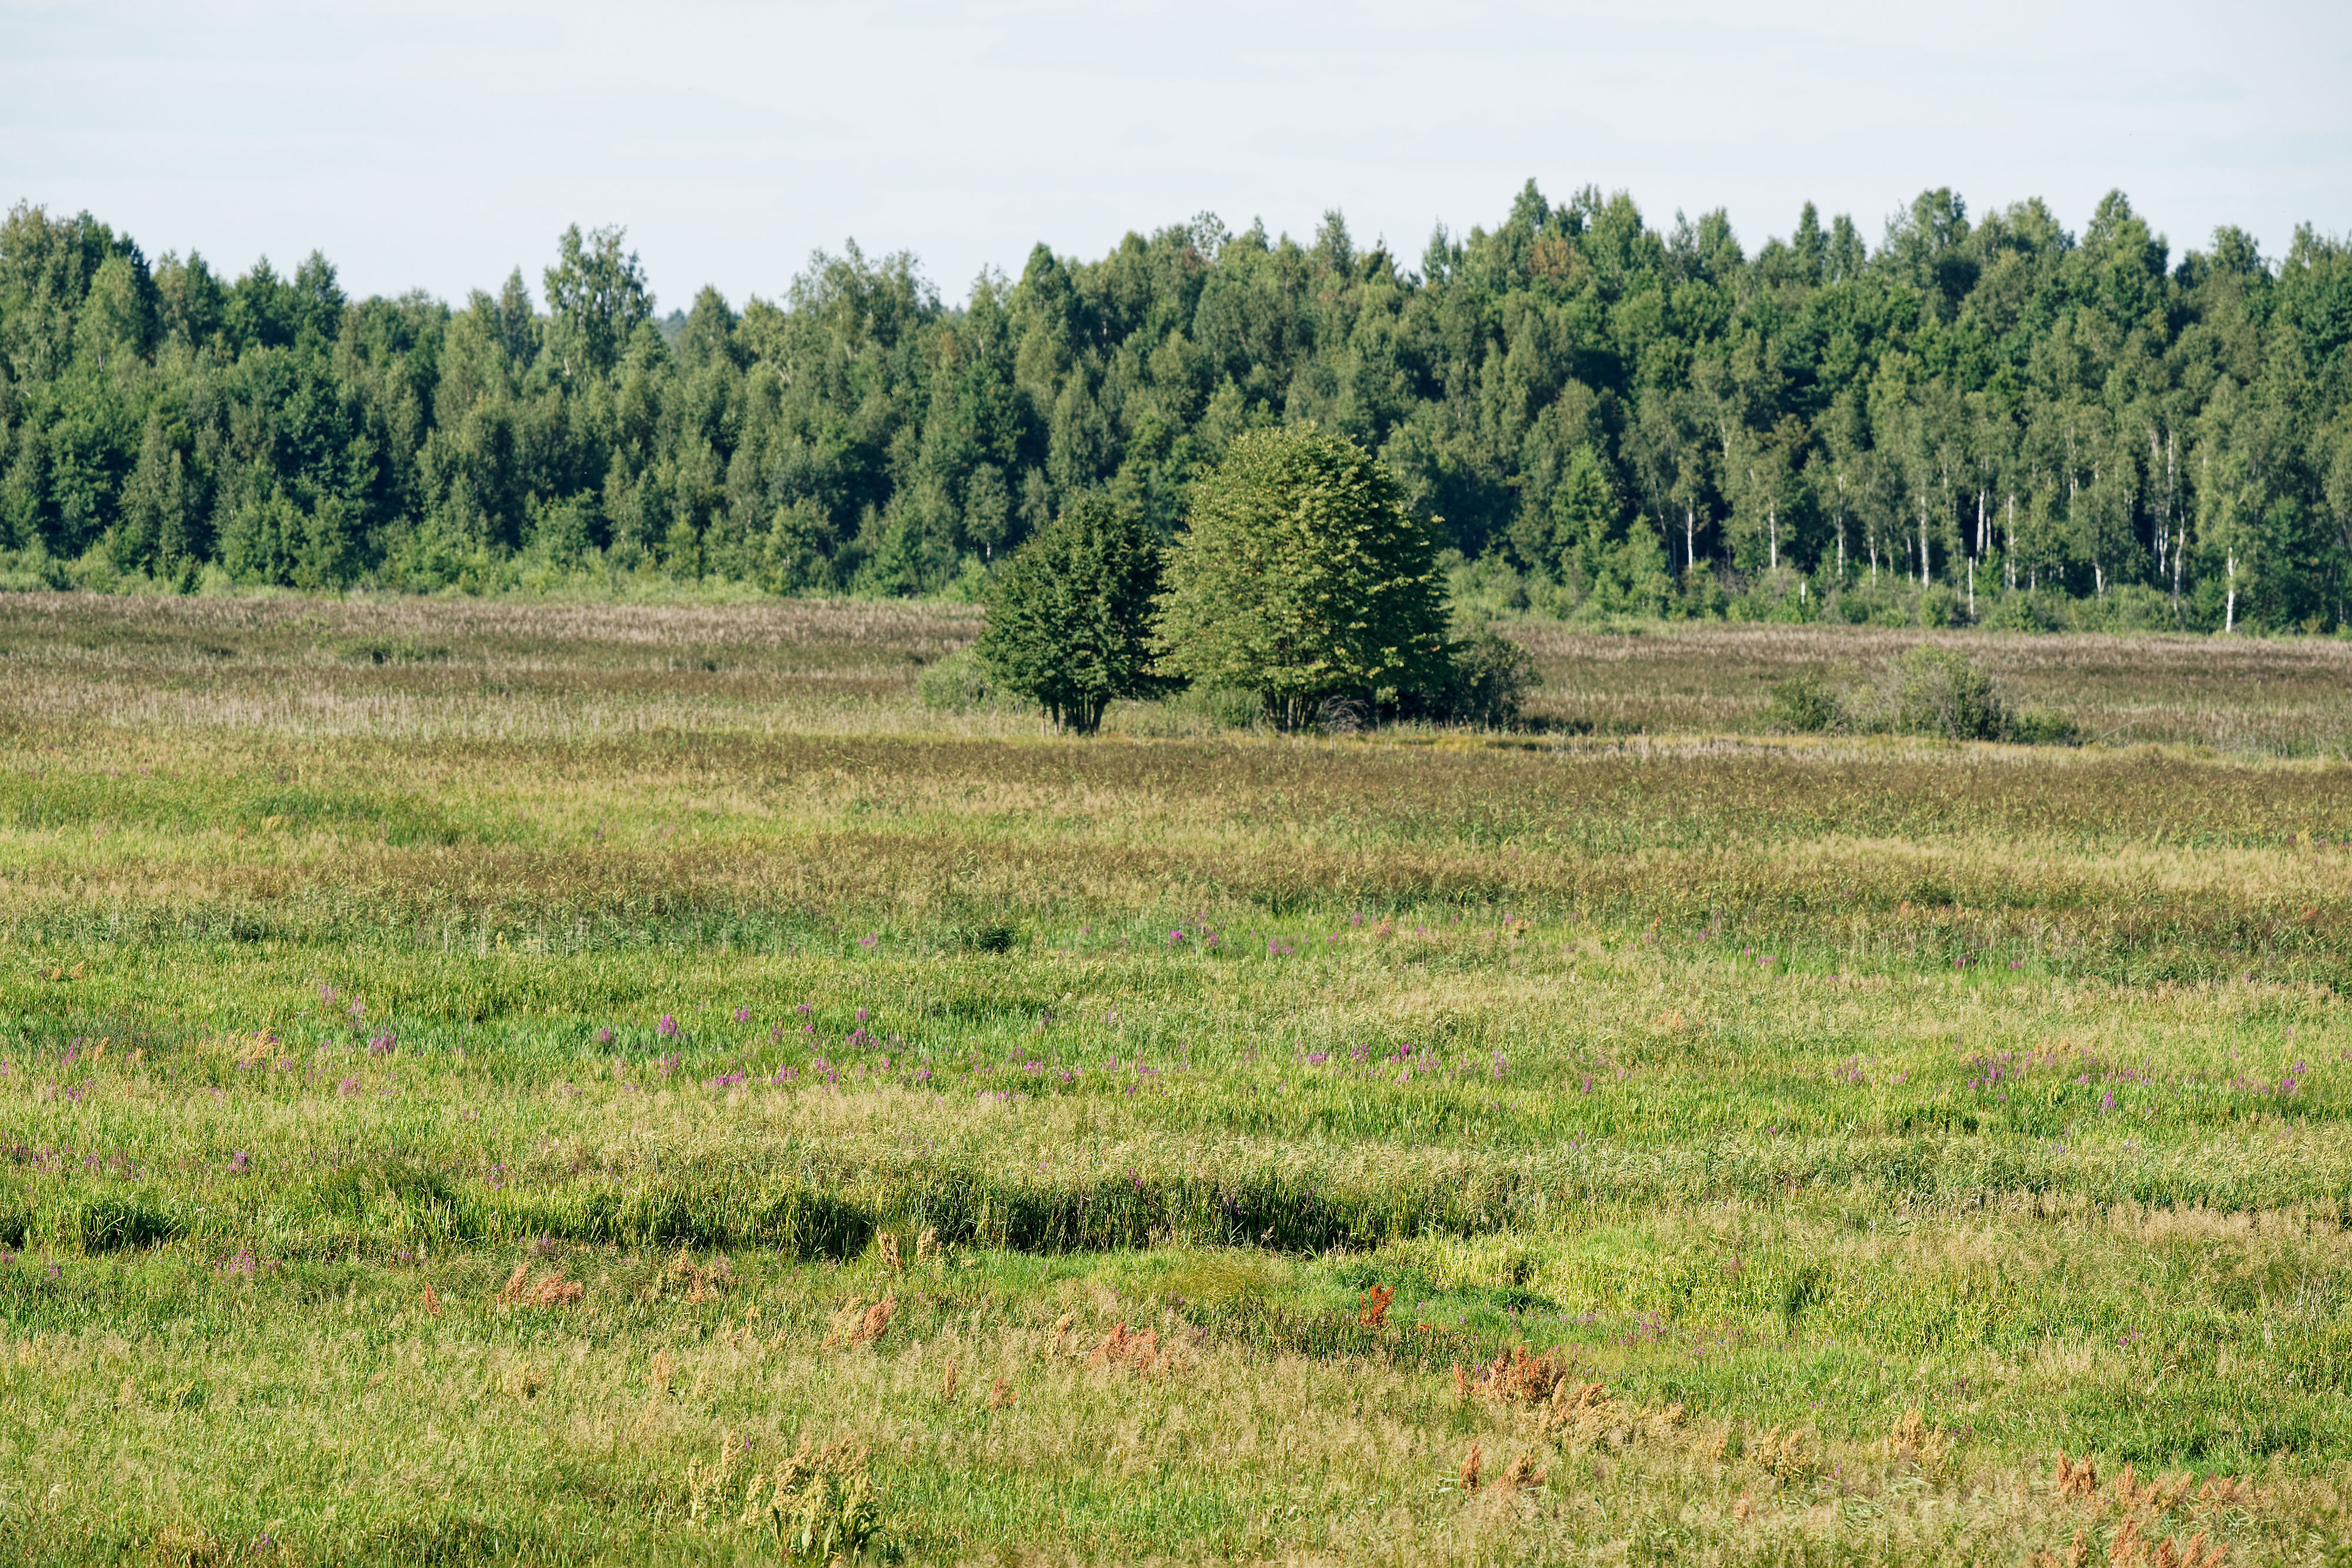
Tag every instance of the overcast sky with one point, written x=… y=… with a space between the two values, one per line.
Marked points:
x=438 y=145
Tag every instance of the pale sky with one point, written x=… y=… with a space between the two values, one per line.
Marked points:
x=439 y=145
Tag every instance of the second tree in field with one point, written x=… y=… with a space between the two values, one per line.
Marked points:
x=1069 y=616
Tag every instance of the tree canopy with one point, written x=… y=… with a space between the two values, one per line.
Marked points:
x=1301 y=576
x=1622 y=415
x=1069 y=616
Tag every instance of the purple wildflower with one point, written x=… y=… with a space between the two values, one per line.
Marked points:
x=668 y=1028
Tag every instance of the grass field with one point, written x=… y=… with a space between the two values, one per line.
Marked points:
x=486 y=1082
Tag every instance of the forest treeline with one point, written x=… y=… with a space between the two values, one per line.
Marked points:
x=1990 y=419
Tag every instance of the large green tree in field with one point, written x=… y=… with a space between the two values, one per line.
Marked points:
x=1301 y=576
x=1069 y=616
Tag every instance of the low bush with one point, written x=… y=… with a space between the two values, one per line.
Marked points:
x=1929 y=691
x=1805 y=704
x=1936 y=692
x=1486 y=683
x=958 y=683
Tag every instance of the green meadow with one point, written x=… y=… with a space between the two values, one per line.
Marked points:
x=491 y=1081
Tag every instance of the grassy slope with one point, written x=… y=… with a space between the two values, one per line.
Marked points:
x=1782 y=1090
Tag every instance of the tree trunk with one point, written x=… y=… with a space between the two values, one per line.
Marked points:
x=2009 y=555
x=2180 y=553
x=1840 y=528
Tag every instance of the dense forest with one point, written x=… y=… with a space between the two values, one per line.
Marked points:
x=1990 y=419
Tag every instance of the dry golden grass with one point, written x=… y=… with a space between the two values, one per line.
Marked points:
x=2247 y=694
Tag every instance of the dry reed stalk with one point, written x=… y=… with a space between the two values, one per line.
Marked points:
x=704 y=1483
x=1111 y=1350
x=1471 y=1462
x=2223 y=1492
x=1138 y=1353
x=1000 y=1396
x=515 y=1285
x=432 y=1303
x=1516 y=1375
x=704 y=1282
x=841 y=1329
x=1914 y=1442
x=1743 y=1510
x=2077 y=1478
x=1522 y=1472
x=2153 y=1495
x=927 y=1244
x=877 y=1319
x=2131 y=1549
x=2078 y=1556
x=890 y=1258
x=555 y=1290
x=1788 y=1456
x=1578 y=1405
x=948 y=1380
